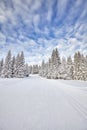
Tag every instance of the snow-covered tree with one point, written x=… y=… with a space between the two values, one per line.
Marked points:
x=55 y=63
x=26 y=70
x=30 y=69
x=83 y=68
x=49 y=70
x=1 y=66
x=42 y=69
x=86 y=67
x=54 y=68
x=78 y=59
x=70 y=69
x=7 y=68
x=35 y=69
x=20 y=64
x=66 y=69
x=16 y=66
x=63 y=69
x=13 y=66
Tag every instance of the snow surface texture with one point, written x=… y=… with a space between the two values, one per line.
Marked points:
x=36 y=103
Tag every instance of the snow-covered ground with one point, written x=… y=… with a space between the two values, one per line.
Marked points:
x=36 y=103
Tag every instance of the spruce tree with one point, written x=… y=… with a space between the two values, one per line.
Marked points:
x=69 y=68
x=1 y=67
x=26 y=70
x=7 y=68
x=21 y=65
x=13 y=66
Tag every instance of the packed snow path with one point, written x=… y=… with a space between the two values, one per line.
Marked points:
x=36 y=103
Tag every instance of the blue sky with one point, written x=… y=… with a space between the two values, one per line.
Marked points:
x=38 y=26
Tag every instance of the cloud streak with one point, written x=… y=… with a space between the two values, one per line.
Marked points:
x=36 y=27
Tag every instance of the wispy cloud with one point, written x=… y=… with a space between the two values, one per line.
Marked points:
x=38 y=26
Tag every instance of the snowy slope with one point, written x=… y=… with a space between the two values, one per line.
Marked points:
x=36 y=103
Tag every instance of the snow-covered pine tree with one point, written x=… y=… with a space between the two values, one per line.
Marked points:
x=13 y=66
x=83 y=68
x=55 y=58
x=78 y=66
x=35 y=69
x=30 y=69
x=72 y=72
x=39 y=69
x=57 y=63
x=16 y=66
x=80 y=60
x=69 y=68
x=21 y=65
x=53 y=64
x=7 y=68
x=58 y=60
x=46 y=69
x=63 y=69
x=49 y=69
x=42 y=69
x=86 y=67
x=55 y=68
x=26 y=71
x=1 y=66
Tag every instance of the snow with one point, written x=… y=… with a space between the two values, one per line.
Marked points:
x=37 y=103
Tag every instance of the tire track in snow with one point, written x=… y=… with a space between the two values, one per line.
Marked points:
x=75 y=103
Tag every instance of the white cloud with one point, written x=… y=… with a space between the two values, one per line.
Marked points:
x=21 y=17
x=2 y=19
x=49 y=15
x=61 y=6
x=2 y=39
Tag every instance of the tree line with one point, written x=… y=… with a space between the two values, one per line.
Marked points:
x=70 y=68
x=14 y=66
x=64 y=68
